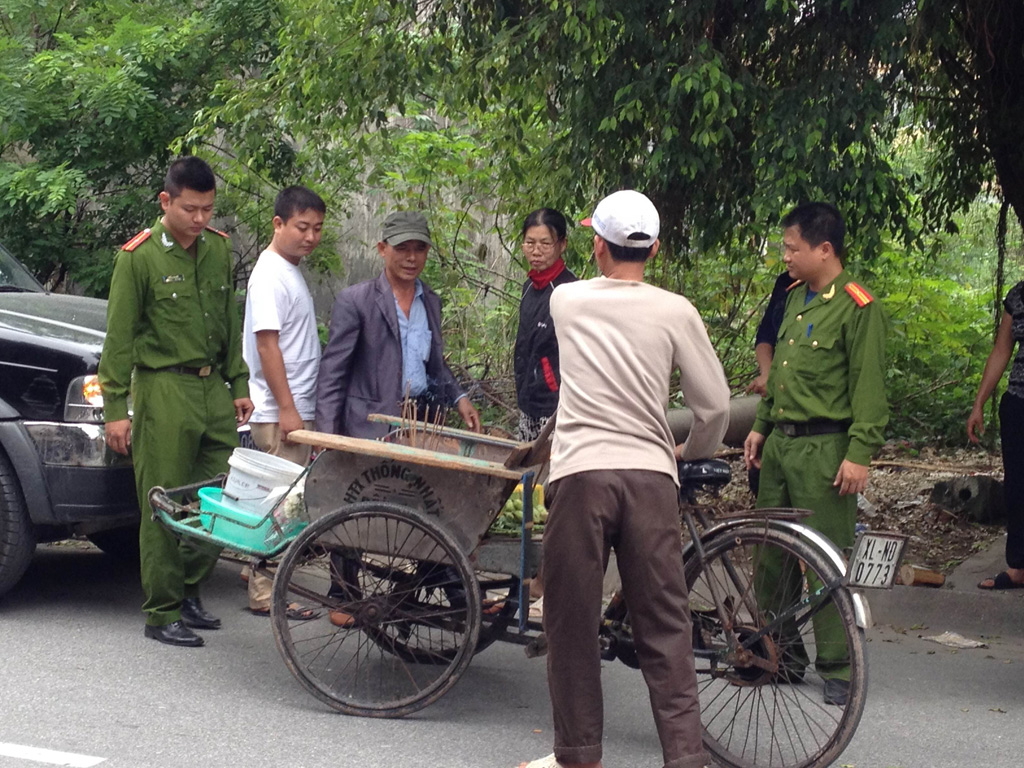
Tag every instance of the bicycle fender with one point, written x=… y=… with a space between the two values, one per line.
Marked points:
x=861 y=609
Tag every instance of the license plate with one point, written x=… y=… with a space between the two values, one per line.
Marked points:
x=875 y=560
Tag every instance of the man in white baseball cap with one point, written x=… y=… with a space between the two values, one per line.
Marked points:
x=626 y=218
x=613 y=483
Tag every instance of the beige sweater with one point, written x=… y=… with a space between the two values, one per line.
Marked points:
x=618 y=342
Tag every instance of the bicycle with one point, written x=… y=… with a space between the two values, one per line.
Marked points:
x=759 y=582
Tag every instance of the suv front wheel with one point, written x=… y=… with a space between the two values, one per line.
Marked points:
x=17 y=538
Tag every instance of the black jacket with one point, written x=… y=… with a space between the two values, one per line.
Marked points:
x=536 y=358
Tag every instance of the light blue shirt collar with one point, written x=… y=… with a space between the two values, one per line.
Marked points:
x=415 y=333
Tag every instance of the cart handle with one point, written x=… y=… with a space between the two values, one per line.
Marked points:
x=160 y=497
x=405 y=453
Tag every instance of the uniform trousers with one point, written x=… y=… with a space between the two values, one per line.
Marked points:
x=267 y=437
x=1011 y=431
x=636 y=512
x=183 y=431
x=800 y=472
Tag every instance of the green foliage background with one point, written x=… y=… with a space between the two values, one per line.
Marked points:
x=726 y=112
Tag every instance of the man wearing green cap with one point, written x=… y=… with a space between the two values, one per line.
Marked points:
x=385 y=342
x=174 y=341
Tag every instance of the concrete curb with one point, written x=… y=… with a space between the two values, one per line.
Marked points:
x=959 y=605
x=985 y=614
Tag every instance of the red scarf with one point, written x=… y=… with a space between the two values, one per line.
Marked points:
x=543 y=278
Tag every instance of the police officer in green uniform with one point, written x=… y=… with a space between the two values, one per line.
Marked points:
x=819 y=423
x=174 y=341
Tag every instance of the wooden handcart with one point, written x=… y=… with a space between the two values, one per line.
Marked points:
x=391 y=547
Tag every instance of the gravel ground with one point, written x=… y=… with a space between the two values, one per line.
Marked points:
x=897 y=499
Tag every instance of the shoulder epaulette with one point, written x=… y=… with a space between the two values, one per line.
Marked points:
x=222 y=234
x=794 y=284
x=136 y=241
x=860 y=296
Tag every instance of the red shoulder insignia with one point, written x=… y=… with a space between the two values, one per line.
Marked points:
x=222 y=234
x=136 y=241
x=862 y=297
x=794 y=284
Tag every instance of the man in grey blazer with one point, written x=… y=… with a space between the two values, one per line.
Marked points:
x=385 y=342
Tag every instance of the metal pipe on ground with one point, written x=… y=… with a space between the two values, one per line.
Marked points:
x=742 y=411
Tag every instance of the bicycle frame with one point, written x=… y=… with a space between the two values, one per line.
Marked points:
x=694 y=547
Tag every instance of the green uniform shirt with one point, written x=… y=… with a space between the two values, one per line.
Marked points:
x=830 y=364
x=168 y=309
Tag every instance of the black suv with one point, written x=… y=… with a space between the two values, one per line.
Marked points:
x=57 y=477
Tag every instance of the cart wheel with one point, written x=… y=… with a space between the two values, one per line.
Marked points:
x=412 y=599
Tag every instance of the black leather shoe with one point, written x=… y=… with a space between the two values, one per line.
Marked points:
x=175 y=633
x=194 y=616
x=837 y=692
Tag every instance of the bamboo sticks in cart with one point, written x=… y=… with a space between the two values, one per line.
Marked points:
x=421 y=434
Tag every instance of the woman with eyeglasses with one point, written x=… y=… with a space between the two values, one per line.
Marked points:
x=536 y=356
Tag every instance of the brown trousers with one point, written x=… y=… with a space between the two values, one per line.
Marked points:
x=636 y=512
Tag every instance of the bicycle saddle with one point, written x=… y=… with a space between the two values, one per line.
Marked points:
x=704 y=472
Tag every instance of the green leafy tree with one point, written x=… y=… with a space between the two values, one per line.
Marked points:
x=724 y=111
x=92 y=95
x=965 y=87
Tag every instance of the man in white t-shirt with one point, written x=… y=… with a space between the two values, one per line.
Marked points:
x=281 y=347
x=613 y=483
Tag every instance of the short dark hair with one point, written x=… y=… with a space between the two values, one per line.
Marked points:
x=293 y=200
x=818 y=222
x=547 y=217
x=189 y=173
x=622 y=253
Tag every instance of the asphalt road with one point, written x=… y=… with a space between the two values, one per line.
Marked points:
x=79 y=677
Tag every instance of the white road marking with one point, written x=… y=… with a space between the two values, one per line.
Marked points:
x=49 y=756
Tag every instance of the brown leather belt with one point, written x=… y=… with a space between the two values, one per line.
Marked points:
x=202 y=373
x=811 y=428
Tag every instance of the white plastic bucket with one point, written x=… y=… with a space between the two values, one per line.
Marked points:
x=255 y=474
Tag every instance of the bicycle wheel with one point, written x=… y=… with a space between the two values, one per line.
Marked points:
x=412 y=599
x=766 y=708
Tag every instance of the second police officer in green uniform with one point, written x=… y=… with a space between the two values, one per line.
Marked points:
x=174 y=342
x=820 y=421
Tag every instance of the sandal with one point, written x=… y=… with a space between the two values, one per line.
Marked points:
x=341 y=619
x=1001 y=580
x=490 y=607
x=537 y=609
x=543 y=762
x=295 y=612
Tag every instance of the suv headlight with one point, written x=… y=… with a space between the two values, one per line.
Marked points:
x=85 y=400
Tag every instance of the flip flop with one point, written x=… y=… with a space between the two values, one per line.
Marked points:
x=1001 y=580
x=543 y=762
x=491 y=607
x=295 y=612
x=341 y=619
x=537 y=609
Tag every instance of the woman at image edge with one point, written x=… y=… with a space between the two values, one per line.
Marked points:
x=1011 y=431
